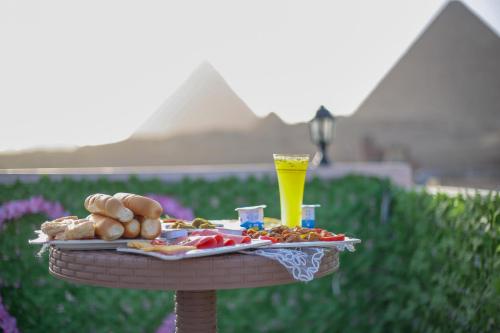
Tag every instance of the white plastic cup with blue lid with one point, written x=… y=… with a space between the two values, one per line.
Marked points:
x=251 y=217
x=308 y=215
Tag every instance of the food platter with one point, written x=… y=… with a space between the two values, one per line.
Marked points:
x=256 y=243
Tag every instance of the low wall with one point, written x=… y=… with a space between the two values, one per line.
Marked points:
x=398 y=173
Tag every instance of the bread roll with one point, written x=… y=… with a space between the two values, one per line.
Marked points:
x=71 y=217
x=150 y=228
x=106 y=205
x=106 y=228
x=78 y=229
x=57 y=226
x=132 y=229
x=140 y=205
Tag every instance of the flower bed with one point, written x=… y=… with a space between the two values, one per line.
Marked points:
x=428 y=266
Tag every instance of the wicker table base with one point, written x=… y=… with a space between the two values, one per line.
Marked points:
x=194 y=280
x=196 y=311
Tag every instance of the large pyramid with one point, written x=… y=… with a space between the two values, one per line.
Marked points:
x=204 y=102
x=439 y=106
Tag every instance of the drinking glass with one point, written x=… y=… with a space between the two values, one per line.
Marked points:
x=291 y=171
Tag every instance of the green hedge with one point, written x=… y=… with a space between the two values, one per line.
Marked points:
x=430 y=265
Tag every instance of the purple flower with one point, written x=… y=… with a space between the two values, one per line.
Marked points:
x=15 y=209
x=7 y=322
x=168 y=325
x=172 y=207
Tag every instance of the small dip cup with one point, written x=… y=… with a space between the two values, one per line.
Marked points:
x=308 y=217
x=251 y=217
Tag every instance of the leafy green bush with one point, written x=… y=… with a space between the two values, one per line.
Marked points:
x=431 y=265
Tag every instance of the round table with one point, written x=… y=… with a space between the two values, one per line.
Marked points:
x=194 y=281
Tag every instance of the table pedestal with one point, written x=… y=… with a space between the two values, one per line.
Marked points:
x=196 y=311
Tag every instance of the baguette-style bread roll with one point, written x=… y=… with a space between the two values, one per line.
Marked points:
x=106 y=228
x=71 y=217
x=140 y=205
x=132 y=229
x=78 y=229
x=57 y=226
x=107 y=205
x=51 y=228
x=150 y=228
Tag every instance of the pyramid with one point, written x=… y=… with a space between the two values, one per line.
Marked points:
x=204 y=102
x=439 y=106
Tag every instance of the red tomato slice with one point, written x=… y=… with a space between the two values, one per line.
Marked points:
x=158 y=242
x=272 y=239
x=325 y=233
x=339 y=237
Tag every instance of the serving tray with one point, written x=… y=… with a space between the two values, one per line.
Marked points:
x=256 y=243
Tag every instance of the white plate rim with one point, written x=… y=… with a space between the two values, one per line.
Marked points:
x=313 y=244
x=256 y=243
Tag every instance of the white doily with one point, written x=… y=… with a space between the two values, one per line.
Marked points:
x=302 y=264
x=346 y=246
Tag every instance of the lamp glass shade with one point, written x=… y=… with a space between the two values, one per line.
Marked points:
x=321 y=130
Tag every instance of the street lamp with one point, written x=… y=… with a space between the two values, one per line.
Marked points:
x=321 y=129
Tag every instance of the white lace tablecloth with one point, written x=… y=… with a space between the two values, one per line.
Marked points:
x=302 y=262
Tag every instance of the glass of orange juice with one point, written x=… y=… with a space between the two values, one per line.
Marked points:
x=291 y=171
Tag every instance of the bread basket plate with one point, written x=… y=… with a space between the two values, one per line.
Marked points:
x=199 y=253
x=339 y=244
x=80 y=244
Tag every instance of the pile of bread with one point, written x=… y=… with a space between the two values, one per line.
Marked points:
x=123 y=215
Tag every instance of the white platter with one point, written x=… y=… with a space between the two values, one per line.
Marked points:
x=338 y=244
x=81 y=244
x=199 y=253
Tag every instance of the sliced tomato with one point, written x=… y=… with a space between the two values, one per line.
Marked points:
x=272 y=239
x=158 y=242
x=325 y=233
x=339 y=237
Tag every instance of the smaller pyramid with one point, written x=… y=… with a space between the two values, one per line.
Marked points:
x=203 y=103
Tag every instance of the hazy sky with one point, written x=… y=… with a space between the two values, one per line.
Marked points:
x=90 y=72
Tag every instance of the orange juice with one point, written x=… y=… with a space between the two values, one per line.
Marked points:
x=291 y=171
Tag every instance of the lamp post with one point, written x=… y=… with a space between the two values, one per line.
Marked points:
x=321 y=130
